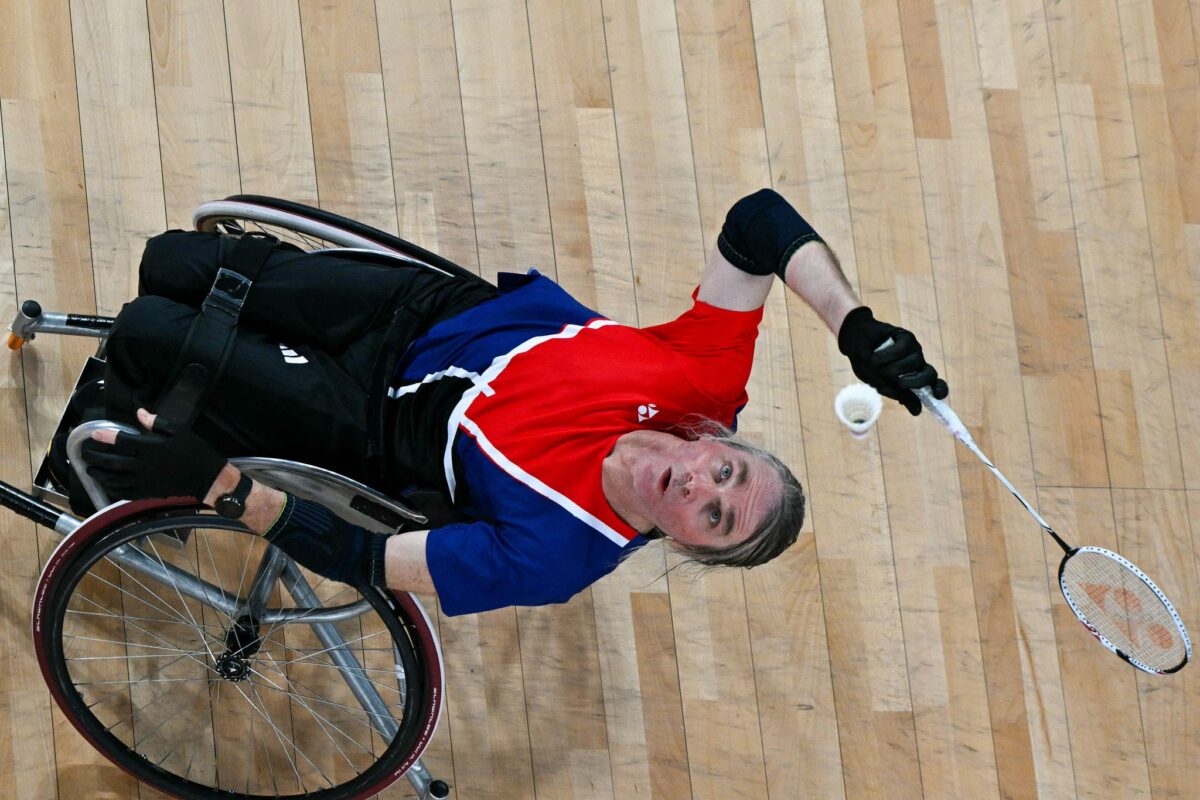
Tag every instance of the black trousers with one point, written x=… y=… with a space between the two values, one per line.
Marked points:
x=315 y=344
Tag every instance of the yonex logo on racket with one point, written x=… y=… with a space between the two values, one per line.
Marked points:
x=1129 y=615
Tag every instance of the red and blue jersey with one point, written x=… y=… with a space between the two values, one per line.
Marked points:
x=552 y=385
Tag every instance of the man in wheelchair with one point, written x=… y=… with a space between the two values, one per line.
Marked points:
x=559 y=440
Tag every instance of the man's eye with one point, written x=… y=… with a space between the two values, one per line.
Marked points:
x=714 y=517
x=726 y=472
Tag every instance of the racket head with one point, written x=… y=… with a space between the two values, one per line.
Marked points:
x=1124 y=610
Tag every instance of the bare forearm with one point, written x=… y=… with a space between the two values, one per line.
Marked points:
x=813 y=272
x=405 y=564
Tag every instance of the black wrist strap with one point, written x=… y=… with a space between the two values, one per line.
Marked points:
x=242 y=490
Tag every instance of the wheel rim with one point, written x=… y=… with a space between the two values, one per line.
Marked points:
x=313 y=229
x=239 y=225
x=201 y=703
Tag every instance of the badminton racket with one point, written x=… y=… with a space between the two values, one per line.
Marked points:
x=1115 y=601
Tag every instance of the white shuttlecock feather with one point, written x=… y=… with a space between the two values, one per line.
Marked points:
x=858 y=406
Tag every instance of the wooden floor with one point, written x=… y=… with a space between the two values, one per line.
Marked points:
x=1017 y=181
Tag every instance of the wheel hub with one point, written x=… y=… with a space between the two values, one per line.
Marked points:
x=242 y=641
x=233 y=667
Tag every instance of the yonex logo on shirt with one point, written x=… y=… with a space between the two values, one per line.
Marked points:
x=646 y=411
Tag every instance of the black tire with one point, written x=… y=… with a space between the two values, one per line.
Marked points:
x=103 y=631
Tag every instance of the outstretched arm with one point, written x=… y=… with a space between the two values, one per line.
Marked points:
x=763 y=236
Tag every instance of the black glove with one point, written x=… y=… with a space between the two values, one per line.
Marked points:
x=165 y=462
x=896 y=369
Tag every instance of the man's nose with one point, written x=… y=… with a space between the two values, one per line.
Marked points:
x=695 y=484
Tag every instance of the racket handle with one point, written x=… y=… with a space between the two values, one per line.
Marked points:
x=940 y=410
x=943 y=413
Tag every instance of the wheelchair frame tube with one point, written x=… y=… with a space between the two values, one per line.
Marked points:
x=31 y=508
x=340 y=654
x=27 y=327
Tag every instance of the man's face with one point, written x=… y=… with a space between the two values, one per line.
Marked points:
x=702 y=492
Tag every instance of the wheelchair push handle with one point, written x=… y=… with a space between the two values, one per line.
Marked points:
x=78 y=436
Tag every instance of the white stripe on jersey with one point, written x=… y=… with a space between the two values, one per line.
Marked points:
x=564 y=502
x=483 y=385
x=449 y=372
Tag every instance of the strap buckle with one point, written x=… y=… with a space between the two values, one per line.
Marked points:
x=228 y=293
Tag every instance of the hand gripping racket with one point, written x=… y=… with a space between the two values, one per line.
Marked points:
x=1113 y=599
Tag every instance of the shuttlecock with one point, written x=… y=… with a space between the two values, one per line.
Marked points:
x=858 y=406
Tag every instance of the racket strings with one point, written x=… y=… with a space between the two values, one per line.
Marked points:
x=1122 y=606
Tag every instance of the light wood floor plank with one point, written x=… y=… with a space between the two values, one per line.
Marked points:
x=270 y=99
x=119 y=126
x=48 y=207
x=1048 y=311
x=583 y=177
x=1040 y=247
x=27 y=759
x=349 y=122
x=926 y=69
x=657 y=170
x=1166 y=119
x=425 y=125
x=486 y=705
x=1111 y=225
x=504 y=143
x=1156 y=532
x=195 y=105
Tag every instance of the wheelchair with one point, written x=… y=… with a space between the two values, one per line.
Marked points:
x=198 y=657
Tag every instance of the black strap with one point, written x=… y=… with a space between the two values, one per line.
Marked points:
x=210 y=340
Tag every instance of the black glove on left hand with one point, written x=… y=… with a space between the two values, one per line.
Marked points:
x=896 y=369
x=165 y=462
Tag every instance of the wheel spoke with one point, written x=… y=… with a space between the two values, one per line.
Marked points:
x=293 y=681
x=324 y=723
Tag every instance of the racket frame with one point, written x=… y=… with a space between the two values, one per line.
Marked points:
x=1129 y=565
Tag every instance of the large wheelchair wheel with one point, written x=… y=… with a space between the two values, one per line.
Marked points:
x=312 y=229
x=195 y=656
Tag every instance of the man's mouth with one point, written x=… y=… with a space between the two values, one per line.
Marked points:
x=664 y=481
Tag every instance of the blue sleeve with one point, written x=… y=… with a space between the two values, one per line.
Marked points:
x=480 y=566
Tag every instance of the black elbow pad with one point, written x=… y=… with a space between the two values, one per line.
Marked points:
x=761 y=232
